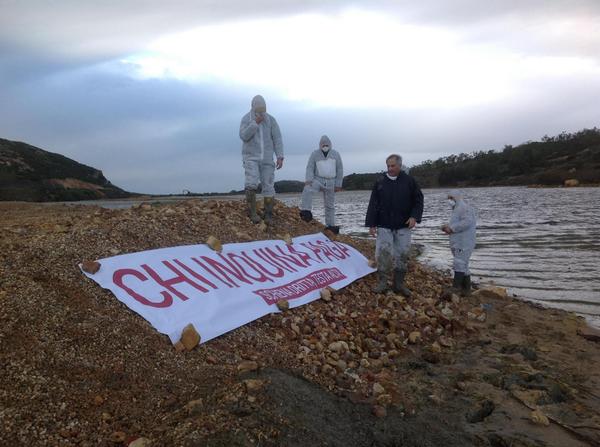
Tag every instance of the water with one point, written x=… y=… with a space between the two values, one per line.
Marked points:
x=541 y=244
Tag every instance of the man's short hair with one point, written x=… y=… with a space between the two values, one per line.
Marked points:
x=397 y=158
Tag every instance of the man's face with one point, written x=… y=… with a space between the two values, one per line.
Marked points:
x=393 y=168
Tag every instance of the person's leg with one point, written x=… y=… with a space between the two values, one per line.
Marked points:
x=267 y=180
x=307 y=196
x=251 y=181
x=460 y=266
x=383 y=254
x=402 y=240
x=329 y=203
x=466 y=280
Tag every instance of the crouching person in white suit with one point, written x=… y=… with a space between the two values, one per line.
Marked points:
x=324 y=173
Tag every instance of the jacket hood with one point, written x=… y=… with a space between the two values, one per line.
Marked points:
x=258 y=104
x=325 y=141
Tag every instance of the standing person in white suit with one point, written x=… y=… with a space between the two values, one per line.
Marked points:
x=261 y=141
x=324 y=173
x=461 y=229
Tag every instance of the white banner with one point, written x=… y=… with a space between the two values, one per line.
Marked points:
x=218 y=292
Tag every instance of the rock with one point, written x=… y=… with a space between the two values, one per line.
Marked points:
x=589 y=333
x=140 y=442
x=287 y=239
x=262 y=226
x=179 y=347
x=214 y=243
x=338 y=347
x=253 y=385
x=435 y=347
x=446 y=342
x=379 y=411
x=283 y=305
x=326 y=294
x=372 y=263
x=194 y=407
x=378 y=389
x=486 y=408
x=247 y=365
x=491 y=292
x=118 y=437
x=414 y=337
x=571 y=182
x=190 y=337
x=537 y=417
x=90 y=267
x=384 y=399
x=98 y=400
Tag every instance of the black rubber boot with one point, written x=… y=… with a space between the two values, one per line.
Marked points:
x=334 y=229
x=306 y=215
x=269 y=202
x=398 y=283
x=457 y=282
x=251 y=202
x=466 y=285
x=382 y=284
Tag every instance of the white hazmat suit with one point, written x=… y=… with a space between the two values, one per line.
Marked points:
x=324 y=172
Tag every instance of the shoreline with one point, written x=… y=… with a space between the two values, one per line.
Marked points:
x=82 y=369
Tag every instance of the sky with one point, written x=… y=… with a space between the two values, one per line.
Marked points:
x=152 y=92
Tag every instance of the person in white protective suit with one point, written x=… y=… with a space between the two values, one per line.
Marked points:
x=461 y=230
x=324 y=173
x=261 y=141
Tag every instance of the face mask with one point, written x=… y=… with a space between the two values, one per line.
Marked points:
x=325 y=148
x=451 y=202
x=259 y=114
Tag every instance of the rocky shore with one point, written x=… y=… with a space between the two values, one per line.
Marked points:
x=78 y=368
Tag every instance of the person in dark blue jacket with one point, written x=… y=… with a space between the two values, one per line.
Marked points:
x=395 y=208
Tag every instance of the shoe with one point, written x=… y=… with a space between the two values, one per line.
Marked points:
x=333 y=228
x=269 y=202
x=466 y=285
x=382 y=284
x=306 y=215
x=251 y=202
x=398 y=283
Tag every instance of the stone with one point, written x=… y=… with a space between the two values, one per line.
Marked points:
x=372 y=263
x=537 y=417
x=414 y=337
x=179 y=347
x=253 y=385
x=98 y=400
x=90 y=267
x=194 y=407
x=378 y=389
x=118 y=437
x=477 y=415
x=287 y=239
x=247 y=365
x=571 y=182
x=190 y=337
x=326 y=294
x=283 y=305
x=140 y=442
x=379 y=411
x=384 y=399
x=214 y=243
x=446 y=342
x=589 y=333
x=491 y=292
x=435 y=347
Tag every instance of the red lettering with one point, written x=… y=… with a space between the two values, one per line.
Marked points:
x=226 y=270
x=177 y=279
x=118 y=280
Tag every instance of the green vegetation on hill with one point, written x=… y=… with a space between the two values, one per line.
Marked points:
x=29 y=173
x=548 y=162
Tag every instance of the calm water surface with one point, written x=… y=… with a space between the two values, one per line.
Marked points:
x=541 y=244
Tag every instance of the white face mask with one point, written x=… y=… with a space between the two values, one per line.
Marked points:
x=452 y=203
x=325 y=148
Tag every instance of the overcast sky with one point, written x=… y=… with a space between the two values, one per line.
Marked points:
x=152 y=92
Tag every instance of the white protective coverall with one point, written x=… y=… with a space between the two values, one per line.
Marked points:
x=260 y=142
x=325 y=171
x=463 y=222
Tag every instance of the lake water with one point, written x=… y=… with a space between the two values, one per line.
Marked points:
x=541 y=244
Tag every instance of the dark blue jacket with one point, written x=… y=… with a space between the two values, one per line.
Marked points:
x=393 y=202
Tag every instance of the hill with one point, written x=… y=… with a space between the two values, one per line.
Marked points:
x=31 y=174
x=548 y=162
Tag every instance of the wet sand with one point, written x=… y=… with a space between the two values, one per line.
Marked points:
x=79 y=368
